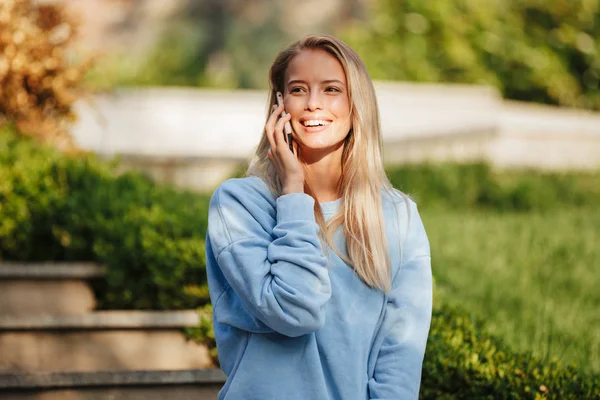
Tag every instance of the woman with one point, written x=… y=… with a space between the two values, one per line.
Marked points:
x=319 y=271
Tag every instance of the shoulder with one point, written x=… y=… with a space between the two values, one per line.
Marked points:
x=246 y=185
x=404 y=211
x=251 y=189
x=402 y=207
x=240 y=208
x=397 y=198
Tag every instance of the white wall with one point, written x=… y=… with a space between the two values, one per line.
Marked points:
x=195 y=137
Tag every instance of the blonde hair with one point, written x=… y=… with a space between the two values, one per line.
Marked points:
x=363 y=177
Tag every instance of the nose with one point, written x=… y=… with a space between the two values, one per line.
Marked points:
x=314 y=101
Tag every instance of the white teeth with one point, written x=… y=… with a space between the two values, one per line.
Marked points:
x=315 y=122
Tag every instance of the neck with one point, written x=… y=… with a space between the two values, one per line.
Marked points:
x=323 y=172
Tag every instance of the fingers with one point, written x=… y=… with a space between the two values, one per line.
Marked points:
x=270 y=125
x=278 y=133
x=276 y=112
x=279 y=153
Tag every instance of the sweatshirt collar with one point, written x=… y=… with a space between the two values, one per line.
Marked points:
x=330 y=207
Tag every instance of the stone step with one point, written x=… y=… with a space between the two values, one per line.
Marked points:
x=101 y=341
x=47 y=288
x=50 y=270
x=101 y=320
x=198 y=384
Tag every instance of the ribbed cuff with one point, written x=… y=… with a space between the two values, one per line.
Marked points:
x=294 y=207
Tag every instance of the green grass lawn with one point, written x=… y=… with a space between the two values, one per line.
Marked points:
x=532 y=278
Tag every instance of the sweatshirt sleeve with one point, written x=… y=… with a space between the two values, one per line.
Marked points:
x=280 y=276
x=405 y=327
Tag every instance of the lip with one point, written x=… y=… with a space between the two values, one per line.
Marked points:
x=314 y=129
x=314 y=117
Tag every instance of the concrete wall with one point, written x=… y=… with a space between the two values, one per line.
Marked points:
x=550 y=138
x=195 y=137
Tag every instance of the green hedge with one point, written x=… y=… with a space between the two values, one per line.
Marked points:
x=151 y=237
x=57 y=208
x=463 y=362
x=477 y=186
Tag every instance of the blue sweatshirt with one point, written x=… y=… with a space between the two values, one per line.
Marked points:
x=294 y=322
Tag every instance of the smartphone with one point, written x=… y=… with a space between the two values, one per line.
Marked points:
x=287 y=129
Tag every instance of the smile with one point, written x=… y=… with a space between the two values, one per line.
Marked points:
x=315 y=122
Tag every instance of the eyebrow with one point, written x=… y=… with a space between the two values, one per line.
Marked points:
x=322 y=82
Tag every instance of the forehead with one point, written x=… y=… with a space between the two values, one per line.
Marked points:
x=314 y=66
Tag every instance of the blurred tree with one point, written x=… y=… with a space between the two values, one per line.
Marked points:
x=530 y=49
x=38 y=81
x=213 y=43
x=230 y=43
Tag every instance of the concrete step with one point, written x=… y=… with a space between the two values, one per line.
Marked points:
x=101 y=341
x=47 y=288
x=198 y=384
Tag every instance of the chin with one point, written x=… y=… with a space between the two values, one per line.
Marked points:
x=320 y=141
x=317 y=144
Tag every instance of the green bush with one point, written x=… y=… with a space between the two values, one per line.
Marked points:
x=463 y=362
x=470 y=186
x=59 y=208
x=530 y=50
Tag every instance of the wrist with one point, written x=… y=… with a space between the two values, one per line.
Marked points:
x=293 y=188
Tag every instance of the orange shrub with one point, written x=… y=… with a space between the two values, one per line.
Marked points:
x=38 y=82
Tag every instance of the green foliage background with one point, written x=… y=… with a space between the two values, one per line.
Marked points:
x=531 y=50
x=208 y=44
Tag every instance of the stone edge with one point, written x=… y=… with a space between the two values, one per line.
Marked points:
x=100 y=320
x=39 y=380
x=15 y=270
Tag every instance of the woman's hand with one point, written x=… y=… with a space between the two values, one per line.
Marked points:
x=288 y=167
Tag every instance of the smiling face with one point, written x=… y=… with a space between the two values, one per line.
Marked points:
x=316 y=96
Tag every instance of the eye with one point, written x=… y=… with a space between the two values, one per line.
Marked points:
x=296 y=90
x=332 y=89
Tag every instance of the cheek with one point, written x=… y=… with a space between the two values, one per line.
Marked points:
x=291 y=106
x=340 y=107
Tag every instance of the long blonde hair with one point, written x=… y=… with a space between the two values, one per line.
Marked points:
x=363 y=177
